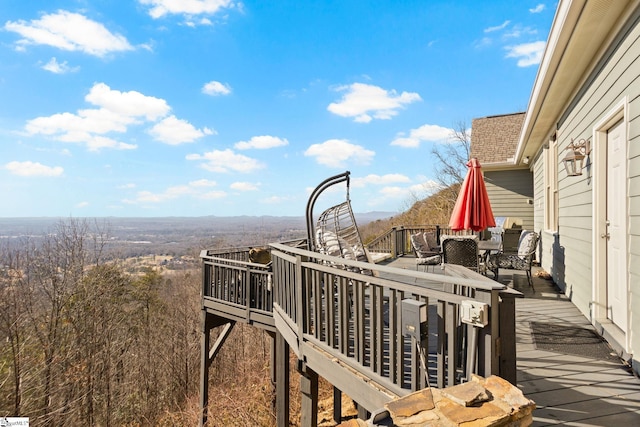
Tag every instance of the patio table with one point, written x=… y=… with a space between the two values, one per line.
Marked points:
x=485 y=247
x=489 y=245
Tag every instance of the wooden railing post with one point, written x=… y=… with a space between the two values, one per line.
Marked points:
x=300 y=303
x=495 y=332
x=247 y=290
x=489 y=340
x=508 y=337
x=394 y=253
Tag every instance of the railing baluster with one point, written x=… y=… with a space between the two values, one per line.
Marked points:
x=441 y=349
x=356 y=319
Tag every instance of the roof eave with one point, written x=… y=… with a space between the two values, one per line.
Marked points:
x=564 y=22
x=581 y=34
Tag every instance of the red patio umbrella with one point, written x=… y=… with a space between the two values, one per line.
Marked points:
x=472 y=210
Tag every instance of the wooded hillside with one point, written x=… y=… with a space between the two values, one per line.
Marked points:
x=90 y=340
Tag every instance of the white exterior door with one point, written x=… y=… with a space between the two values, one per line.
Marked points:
x=616 y=230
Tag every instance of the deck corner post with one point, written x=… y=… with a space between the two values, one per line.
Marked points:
x=337 y=405
x=363 y=414
x=309 y=396
x=205 y=363
x=508 y=339
x=282 y=381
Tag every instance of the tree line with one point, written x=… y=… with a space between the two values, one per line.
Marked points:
x=84 y=343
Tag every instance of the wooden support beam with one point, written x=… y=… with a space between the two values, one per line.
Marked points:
x=207 y=355
x=272 y=361
x=282 y=381
x=205 y=363
x=309 y=396
x=220 y=341
x=337 y=405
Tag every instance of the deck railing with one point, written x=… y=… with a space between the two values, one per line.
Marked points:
x=397 y=241
x=348 y=326
x=237 y=289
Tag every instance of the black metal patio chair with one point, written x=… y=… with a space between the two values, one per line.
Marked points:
x=522 y=260
x=461 y=250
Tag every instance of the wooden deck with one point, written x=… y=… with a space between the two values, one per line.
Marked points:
x=346 y=321
x=575 y=382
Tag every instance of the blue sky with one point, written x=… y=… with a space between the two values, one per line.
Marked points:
x=219 y=107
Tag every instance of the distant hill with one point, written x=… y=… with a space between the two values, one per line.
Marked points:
x=122 y=226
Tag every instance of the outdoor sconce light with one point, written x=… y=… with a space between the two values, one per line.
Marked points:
x=574 y=159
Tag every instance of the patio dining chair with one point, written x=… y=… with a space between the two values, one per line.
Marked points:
x=425 y=248
x=461 y=250
x=522 y=260
x=511 y=240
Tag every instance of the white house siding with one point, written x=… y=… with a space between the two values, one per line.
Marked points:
x=617 y=80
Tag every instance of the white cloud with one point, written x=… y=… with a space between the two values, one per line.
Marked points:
x=215 y=88
x=59 y=68
x=423 y=133
x=245 y=186
x=210 y=195
x=482 y=43
x=69 y=31
x=75 y=127
x=367 y=102
x=82 y=205
x=394 y=191
x=338 y=152
x=203 y=183
x=117 y=111
x=539 y=8
x=192 y=189
x=226 y=161
x=519 y=31
x=168 y=194
x=96 y=143
x=379 y=179
x=174 y=131
x=262 y=142
x=416 y=191
x=425 y=188
x=127 y=104
x=29 y=168
x=497 y=27
x=126 y=186
x=527 y=53
x=160 y=8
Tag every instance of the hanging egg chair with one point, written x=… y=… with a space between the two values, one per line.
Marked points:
x=335 y=233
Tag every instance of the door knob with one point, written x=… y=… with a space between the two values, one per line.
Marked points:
x=605 y=235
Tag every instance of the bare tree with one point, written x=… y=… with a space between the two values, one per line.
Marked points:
x=452 y=157
x=12 y=326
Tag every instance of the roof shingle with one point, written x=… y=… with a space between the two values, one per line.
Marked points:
x=494 y=138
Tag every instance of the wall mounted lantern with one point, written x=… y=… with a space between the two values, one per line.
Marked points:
x=574 y=160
